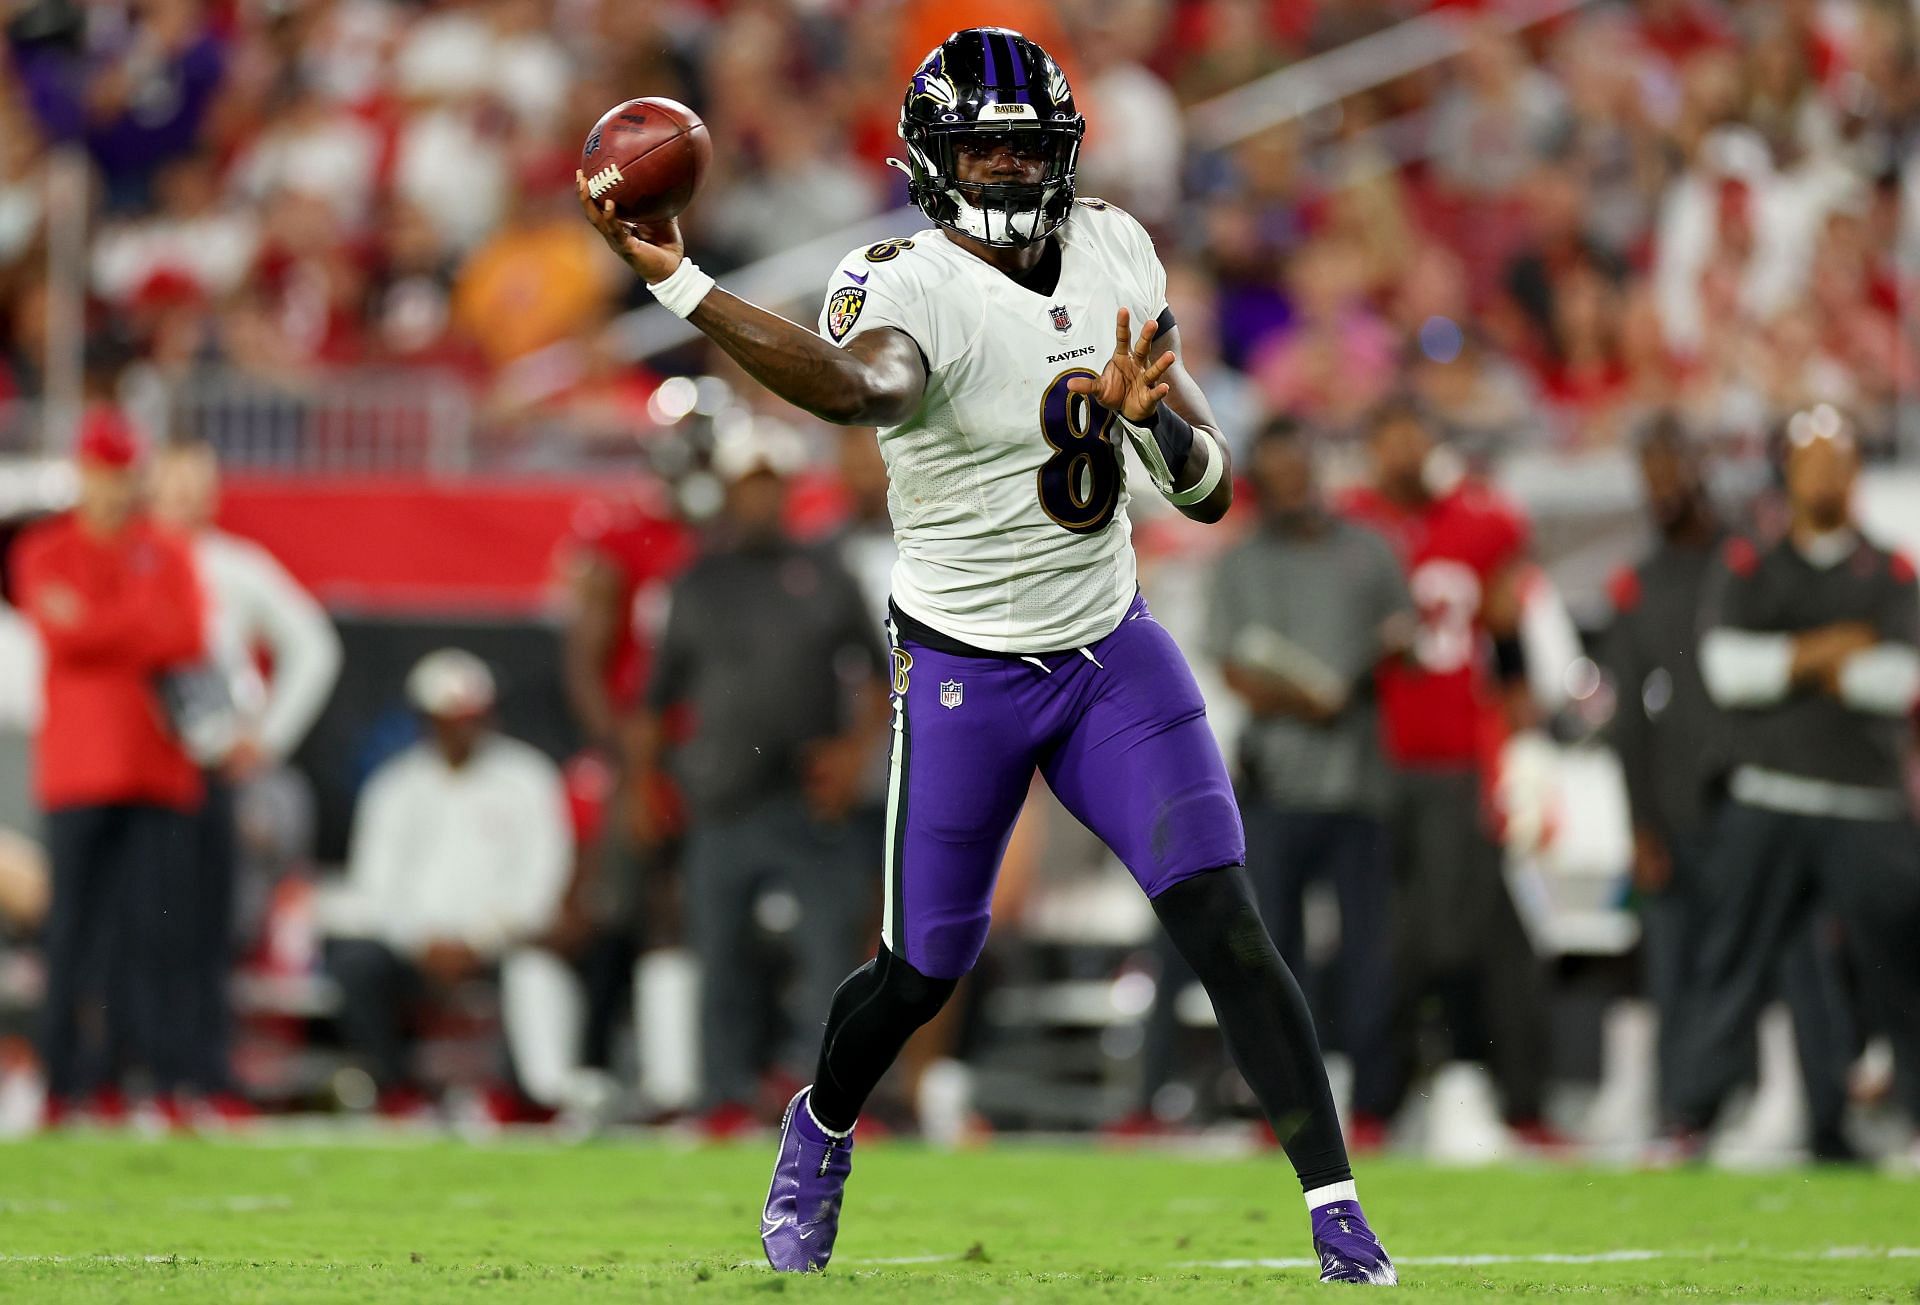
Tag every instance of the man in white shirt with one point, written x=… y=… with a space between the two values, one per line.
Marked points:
x=460 y=855
x=252 y=606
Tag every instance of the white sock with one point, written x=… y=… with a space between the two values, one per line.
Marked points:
x=838 y=1133
x=1332 y=1194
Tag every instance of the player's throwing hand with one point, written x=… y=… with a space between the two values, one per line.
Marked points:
x=1130 y=385
x=652 y=251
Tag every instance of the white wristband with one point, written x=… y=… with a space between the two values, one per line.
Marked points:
x=1216 y=468
x=682 y=292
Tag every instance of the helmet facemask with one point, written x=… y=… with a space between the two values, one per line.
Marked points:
x=1001 y=213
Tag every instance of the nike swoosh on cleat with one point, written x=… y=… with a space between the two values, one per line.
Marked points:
x=858 y=278
x=808 y=1233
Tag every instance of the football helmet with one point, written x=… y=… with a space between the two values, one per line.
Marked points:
x=991 y=81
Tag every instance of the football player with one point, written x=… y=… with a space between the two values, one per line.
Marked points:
x=1009 y=354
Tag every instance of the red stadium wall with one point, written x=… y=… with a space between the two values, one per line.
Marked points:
x=416 y=546
x=410 y=545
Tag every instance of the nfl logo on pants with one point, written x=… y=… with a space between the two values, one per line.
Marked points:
x=950 y=694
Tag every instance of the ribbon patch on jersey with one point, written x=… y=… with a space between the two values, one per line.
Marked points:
x=843 y=310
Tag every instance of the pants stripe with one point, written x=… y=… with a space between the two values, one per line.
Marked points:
x=893 y=928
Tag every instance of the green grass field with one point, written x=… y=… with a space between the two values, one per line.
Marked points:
x=95 y=1219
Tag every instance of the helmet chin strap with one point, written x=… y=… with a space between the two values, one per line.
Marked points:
x=974 y=220
x=1017 y=226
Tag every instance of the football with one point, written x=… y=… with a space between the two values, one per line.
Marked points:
x=647 y=156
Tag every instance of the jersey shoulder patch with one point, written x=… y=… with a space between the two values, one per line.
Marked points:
x=843 y=309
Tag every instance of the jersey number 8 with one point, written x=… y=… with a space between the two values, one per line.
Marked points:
x=1080 y=483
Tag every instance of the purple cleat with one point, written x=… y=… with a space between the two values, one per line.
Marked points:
x=1349 y=1251
x=802 y=1216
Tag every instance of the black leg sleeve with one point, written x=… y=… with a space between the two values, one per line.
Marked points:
x=1269 y=1031
x=874 y=1012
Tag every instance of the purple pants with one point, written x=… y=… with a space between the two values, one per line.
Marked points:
x=1119 y=731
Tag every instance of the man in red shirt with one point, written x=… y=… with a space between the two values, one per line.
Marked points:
x=1460 y=937
x=623 y=556
x=117 y=607
x=620 y=560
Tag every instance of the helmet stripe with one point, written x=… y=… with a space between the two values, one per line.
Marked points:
x=1019 y=72
x=986 y=47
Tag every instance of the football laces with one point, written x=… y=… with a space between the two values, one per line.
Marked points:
x=603 y=181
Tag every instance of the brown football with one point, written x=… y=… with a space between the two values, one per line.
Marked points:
x=647 y=156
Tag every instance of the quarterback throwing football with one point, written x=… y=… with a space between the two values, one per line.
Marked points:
x=998 y=354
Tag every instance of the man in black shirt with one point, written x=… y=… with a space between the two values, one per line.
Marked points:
x=1813 y=646
x=1672 y=741
x=771 y=650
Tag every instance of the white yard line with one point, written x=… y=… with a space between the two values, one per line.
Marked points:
x=1457 y=1261
x=1595 y=1257
x=181 y=1204
x=1478 y=1261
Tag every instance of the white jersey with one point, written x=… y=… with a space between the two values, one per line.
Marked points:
x=1008 y=492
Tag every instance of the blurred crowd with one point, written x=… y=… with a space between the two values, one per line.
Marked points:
x=1667 y=203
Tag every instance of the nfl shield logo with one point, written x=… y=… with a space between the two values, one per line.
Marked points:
x=950 y=694
x=1061 y=322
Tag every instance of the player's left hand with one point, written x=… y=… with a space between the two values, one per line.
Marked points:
x=1131 y=385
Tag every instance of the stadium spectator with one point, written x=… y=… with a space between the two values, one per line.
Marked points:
x=803 y=179
x=192 y=236
x=1237 y=42
x=310 y=146
x=1810 y=646
x=1300 y=615
x=252 y=607
x=770 y=646
x=1138 y=124
x=1672 y=740
x=1460 y=938
x=22 y=182
x=461 y=851
x=117 y=607
x=134 y=88
x=1336 y=360
x=535 y=282
x=1500 y=119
